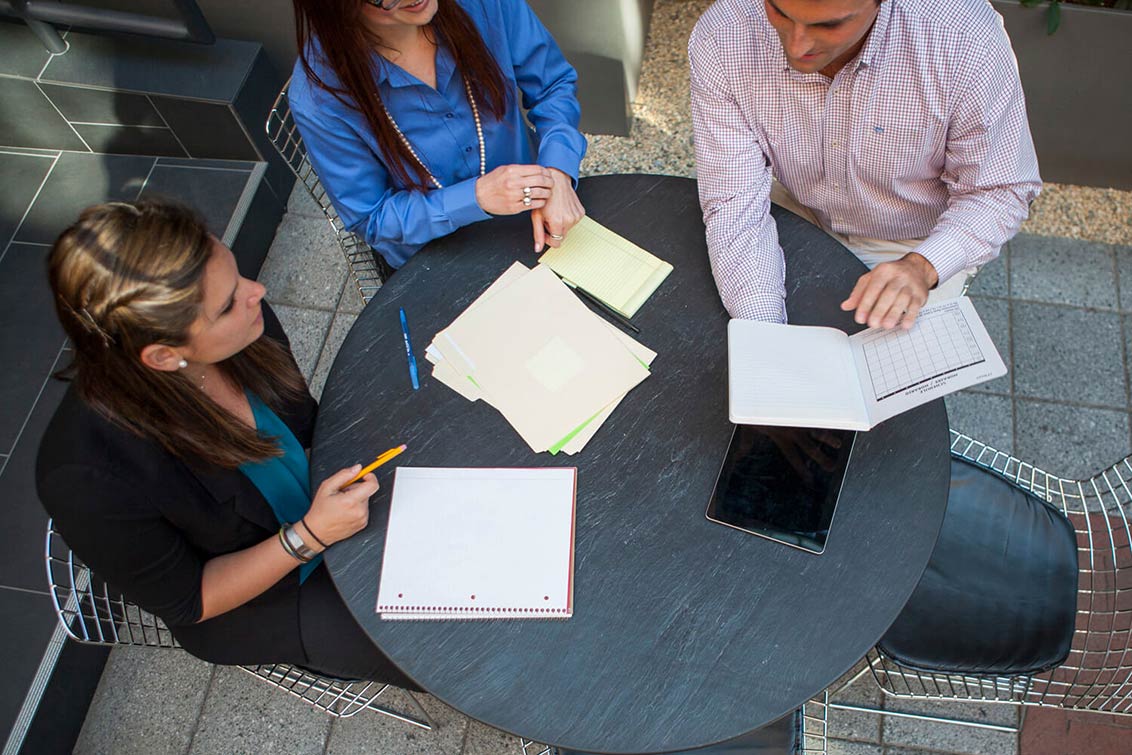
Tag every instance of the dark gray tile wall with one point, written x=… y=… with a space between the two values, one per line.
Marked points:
x=21 y=52
x=28 y=621
x=130 y=140
x=21 y=176
x=84 y=105
x=213 y=192
x=206 y=129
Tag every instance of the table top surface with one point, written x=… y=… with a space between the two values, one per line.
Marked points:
x=685 y=633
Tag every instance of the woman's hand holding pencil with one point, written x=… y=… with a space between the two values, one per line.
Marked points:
x=378 y=462
x=340 y=507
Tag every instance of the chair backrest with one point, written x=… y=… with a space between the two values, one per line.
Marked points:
x=368 y=268
x=92 y=611
x=1097 y=675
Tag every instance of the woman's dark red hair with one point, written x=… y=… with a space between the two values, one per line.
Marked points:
x=348 y=47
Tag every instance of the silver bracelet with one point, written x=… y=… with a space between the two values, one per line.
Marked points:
x=295 y=545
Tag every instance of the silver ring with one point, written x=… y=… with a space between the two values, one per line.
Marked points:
x=526 y=201
x=526 y=191
x=555 y=236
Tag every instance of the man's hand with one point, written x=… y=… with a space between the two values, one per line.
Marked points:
x=892 y=293
x=561 y=213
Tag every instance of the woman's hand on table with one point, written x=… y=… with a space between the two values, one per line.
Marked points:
x=502 y=191
x=336 y=513
x=561 y=212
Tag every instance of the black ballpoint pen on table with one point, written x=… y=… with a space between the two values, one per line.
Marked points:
x=621 y=319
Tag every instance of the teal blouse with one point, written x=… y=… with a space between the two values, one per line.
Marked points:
x=283 y=480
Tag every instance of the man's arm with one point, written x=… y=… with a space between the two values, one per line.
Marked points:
x=734 y=183
x=991 y=172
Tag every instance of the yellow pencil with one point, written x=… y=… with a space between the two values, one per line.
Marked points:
x=376 y=463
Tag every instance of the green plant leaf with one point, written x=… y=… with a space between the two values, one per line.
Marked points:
x=1053 y=16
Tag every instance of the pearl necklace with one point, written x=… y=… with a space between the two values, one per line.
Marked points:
x=413 y=152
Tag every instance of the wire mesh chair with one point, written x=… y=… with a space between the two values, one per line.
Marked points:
x=368 y=268
x=93 y=612
x=1097 y=675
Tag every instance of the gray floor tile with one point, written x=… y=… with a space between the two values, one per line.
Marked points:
x=993 y=278
x=1068 y=354
x=984 y=417
x=147 y=702
x=484 y=740
x=307 y=329
x=845 y=724
x=246 y=715
x=343 y=321
x=1124 y=276
x=1070 y=441
x=1062 y=271
x=951 y=738
x=995 y=314
x=351 y=300
x=305 y=267
x=302 y=203
x=369 y=732
x=845 y=747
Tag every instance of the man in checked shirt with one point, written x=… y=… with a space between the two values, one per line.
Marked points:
x=897 y=126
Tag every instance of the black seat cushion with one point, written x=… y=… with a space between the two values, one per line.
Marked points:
x=999 y=595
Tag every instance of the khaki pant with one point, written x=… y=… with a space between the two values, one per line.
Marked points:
x=872 y=252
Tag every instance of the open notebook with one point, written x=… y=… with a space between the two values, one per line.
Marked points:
x=802 y=376
x=479 y=544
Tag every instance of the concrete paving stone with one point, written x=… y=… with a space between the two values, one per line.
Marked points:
x=993 y=278
x=846 y=747
x=1062 y=271
x=351 y=300
x=952 y=738
x=484 y=740
x=243 y=714
x=302 y=203
x=306 y=329
x=995 y=314
x=343 y=321
x=305 y=266
x=368 y=732
x=147 y=702
x=1068 y=354
x=845 y=724
x=1124 y=276
x=984 y=417
x=1070 y=441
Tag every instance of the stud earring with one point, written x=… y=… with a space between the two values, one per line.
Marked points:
x=182 y=364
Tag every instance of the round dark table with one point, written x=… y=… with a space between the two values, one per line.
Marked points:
x=685 y=633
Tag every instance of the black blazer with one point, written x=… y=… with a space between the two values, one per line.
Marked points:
x=147 y=522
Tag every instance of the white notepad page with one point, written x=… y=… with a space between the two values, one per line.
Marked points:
x=460 y=543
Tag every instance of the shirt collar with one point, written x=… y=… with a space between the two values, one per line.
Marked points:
x=875 y=40
x=394 y=76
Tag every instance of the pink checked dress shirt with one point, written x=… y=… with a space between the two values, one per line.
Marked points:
x=923 y=135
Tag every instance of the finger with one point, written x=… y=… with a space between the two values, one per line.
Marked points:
x=899 y=307
x=540 y=232
x=368 y=483
x=885 y=306
x=339 y=479
x=868 y=299
x=855 y=295
x=910 y=316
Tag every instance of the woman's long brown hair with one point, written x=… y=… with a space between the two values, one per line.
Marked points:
x=127 y=275
x=348 y=47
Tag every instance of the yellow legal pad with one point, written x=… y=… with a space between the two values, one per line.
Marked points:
x=612 y=268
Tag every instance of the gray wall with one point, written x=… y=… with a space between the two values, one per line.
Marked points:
x=1077 y=91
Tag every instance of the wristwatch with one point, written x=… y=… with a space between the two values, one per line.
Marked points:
x=294 y=545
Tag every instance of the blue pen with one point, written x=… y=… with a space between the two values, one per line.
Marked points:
x=409 y=352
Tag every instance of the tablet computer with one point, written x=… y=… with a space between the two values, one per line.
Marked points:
x=782 y=483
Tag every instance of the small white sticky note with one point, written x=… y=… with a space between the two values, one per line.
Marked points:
x=555 y=365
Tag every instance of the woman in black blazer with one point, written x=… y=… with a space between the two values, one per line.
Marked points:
x=185 y=407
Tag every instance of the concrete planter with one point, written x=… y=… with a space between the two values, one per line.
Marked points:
x=1078 y=92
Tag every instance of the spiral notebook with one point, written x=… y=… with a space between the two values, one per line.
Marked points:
x=479 y=544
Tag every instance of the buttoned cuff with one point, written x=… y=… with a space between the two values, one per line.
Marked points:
x=553 y=153
x=946 y=254
x=460 y=203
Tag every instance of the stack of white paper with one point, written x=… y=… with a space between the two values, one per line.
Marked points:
x=528 y=347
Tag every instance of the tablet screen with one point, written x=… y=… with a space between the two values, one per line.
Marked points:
x=782 y=483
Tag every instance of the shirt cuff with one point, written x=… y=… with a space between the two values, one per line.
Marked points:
x=460 y=203
x=555 y=154
x=760 y=307
x=946 y=254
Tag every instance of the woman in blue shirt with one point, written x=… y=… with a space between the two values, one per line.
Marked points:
x=410 y=111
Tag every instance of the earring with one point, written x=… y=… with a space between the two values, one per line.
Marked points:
x=182 y=364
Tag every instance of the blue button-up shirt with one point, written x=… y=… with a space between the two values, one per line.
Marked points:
x=440 y=126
